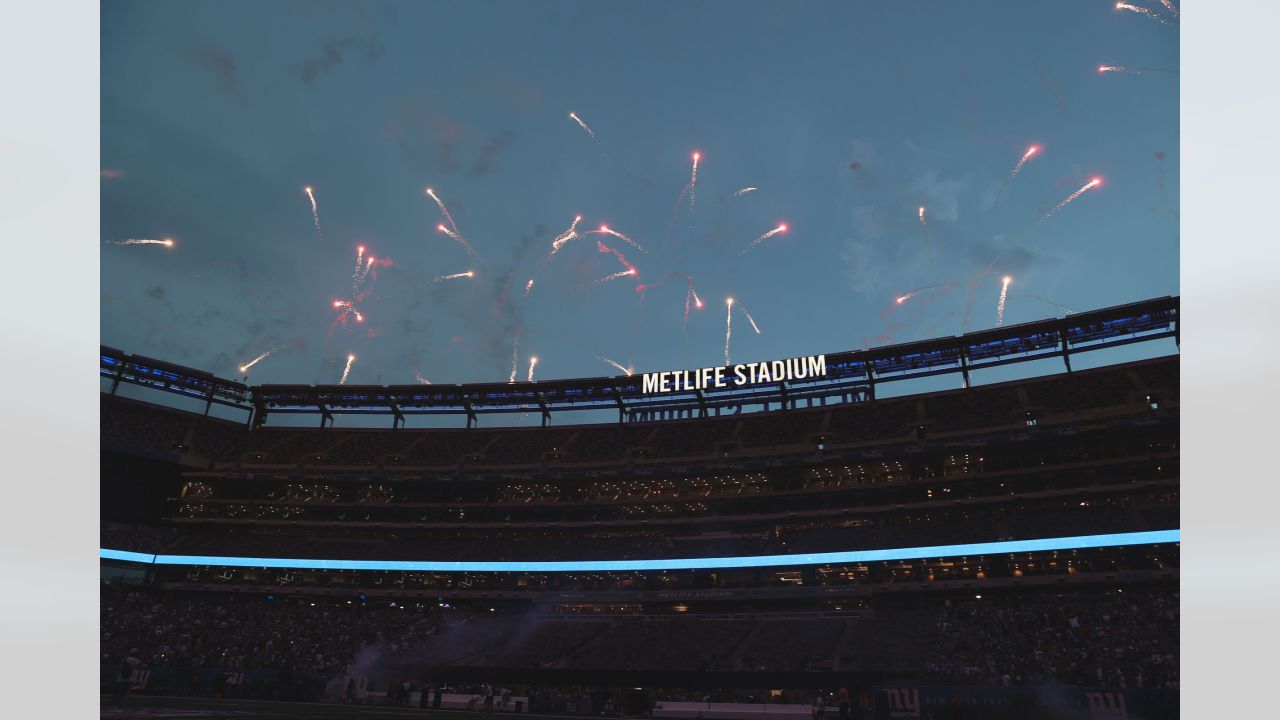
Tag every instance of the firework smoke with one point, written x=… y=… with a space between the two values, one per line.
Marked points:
x=609 y=231
x=1004 y=295
x=1087 y=186
x=167 y=242
x=728 y=329
x=351 y=359
x=628 y=371
x=744 y=191
x=315 y=211
x=533 y=362
x=461 y=240
x=583 y=125
x=762 y=238
x=455 y=276
x=750 y=319
x=244 y=369
x=443 y=210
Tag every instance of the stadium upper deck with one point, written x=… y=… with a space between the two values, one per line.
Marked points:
x=850 y=376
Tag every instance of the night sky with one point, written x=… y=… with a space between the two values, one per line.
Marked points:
x=847 y=117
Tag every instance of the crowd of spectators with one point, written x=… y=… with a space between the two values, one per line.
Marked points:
x=1121 y=638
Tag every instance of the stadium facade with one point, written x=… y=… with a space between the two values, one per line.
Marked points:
x=984 y=541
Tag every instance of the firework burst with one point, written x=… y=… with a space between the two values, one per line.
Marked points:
x=461 y=240
x=605 y=229
x=693 y=181
x=244 y=369
x=581 y=124
x=346 y=372
x=166 y=242
x=564 y=237
x=1134 y=70
x=615 y=276
x=443 y=210
x=616 y=364
x=1018 y=167
x=455 y=276
x=315 y=211
x=780 y=229
x=533 y=362
x=1145 y=12
x=750 y=319
x=1004 y=296
x=1095 y=182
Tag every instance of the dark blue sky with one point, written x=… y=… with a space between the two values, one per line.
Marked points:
x=847 y=117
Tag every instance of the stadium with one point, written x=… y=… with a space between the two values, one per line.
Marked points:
x=897 y=538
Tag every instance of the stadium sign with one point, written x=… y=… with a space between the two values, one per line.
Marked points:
x=811 y=367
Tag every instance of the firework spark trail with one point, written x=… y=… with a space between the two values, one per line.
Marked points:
x=1173 y=9
x=1134 y=69
x=461 y=240
x=744 y=191
x=762 y=238
x=364 y=272
x=443 y=210
x=601 y=247
x=1018 y=167
x=355 y=274
x=348 y=307
x=912 y=293
x=455 y=276
x=167 y=242
x=564 y=237
x=1087 y=186
x=728 y=329
x=528 y=287
x=693 y=182
x=421 y=380
x=315 y=211
x=1004 y=296
x=690 y=296
x=1141 y=11
x=533 y=362
x=583 y=125
x=602 y=358
x=615 y=276
x=244 y=369
x=515 y=358
x=625 y=238
x=351 y=359
x=750 y=319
